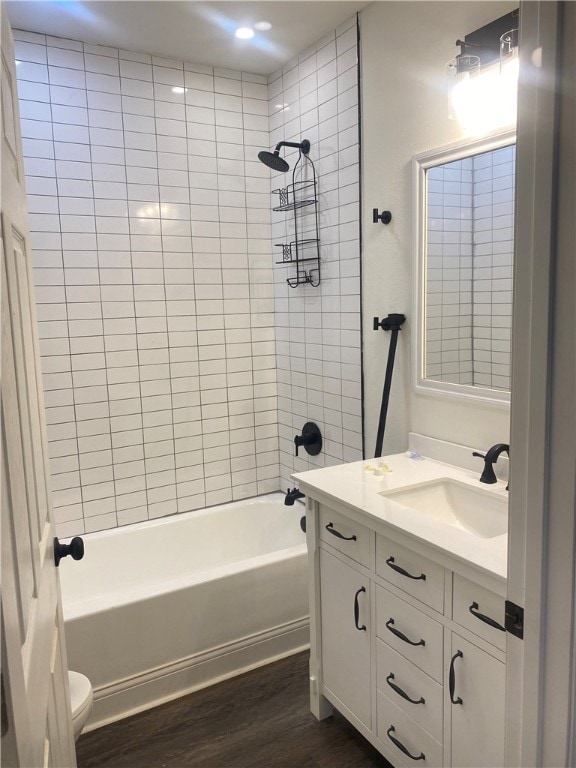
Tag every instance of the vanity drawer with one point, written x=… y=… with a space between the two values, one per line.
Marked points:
x=402 y=735
x=399 y=680
x=475 y=607
x=415 y=636
x=411 y=573
x=345 y=535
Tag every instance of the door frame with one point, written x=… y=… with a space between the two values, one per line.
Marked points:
x=540 y=673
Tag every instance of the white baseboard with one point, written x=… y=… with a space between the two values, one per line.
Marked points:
x=139 y=693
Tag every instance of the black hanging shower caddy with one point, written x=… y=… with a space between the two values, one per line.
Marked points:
x=303 y=248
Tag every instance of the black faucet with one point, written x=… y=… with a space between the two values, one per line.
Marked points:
x=291 y=496
x=490 y=459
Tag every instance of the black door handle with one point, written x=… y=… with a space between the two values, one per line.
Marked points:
x=486 y=619
x=361 y=627
x=402 y=693
x=401 y=635
x=75 y=549
x=401 y=746
x=330 y=528
x=452 y=678
x=391 y=564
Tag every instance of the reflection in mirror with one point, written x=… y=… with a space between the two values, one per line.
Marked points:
x=469 y=247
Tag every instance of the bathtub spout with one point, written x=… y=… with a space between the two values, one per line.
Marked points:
x=291 y=496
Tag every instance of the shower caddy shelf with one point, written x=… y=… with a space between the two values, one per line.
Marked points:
x=294 y=197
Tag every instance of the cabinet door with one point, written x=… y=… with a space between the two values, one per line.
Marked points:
x=345 y=609
x=478 y=721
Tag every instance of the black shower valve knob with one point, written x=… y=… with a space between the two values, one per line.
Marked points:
x=310 y=439
x=385 y=217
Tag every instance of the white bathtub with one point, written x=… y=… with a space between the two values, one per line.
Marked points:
x=158 y=609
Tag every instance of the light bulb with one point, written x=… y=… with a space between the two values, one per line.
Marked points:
x=244 y=33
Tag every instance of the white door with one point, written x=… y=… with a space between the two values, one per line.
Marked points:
x=36 y=716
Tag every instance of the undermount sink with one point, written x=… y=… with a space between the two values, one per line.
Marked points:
x=457 y=504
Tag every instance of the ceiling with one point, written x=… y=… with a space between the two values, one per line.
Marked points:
x=194 y=31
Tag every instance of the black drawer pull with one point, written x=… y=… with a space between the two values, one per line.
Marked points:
x=330 y=528
x=452 y=678
x=361 y=627
x=391 y=564
x=401 y=635
x=401 y=746
x=402 y=693
x=486 y=619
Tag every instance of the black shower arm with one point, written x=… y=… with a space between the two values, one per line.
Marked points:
x=303 y=146
x=296 y=145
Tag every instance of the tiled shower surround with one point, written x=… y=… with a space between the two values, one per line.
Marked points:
x=318 y=329
x=159 y=309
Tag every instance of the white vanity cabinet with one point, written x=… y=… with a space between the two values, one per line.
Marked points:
x=405 y=642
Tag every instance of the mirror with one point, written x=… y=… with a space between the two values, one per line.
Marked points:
x=464 y=201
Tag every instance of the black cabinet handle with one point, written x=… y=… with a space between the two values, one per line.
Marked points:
x=486 y=619
x=452 y=678
x=75 y=549
x=330 y=528
x=401 y=635
x=361 y=627
x=391 y=564
x=402 y=693
x=401 y=746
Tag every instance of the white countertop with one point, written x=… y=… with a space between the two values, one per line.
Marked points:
x=357 y=488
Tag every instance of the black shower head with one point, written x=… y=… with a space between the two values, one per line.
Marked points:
x=274 y=161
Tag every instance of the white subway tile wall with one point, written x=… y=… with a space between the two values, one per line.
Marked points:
x=318 y=329
x=449 y=273
x=470 y=248
x=150 y=223
x=493 y=205
x=151 y=235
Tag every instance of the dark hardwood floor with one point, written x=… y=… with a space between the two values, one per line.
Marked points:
x=258 y=720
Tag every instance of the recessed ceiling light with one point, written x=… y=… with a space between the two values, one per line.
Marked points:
x=263 y=26
x=244 y=33
x=179 y=89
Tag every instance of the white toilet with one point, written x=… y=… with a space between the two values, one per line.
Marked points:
x=81 y=699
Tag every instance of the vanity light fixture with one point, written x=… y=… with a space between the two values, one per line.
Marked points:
x=179 y=89
x=483 y=77
x=263 y=26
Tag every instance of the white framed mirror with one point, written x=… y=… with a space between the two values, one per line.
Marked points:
x=463 y=265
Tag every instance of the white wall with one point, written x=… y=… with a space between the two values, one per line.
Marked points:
x=404 y=50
